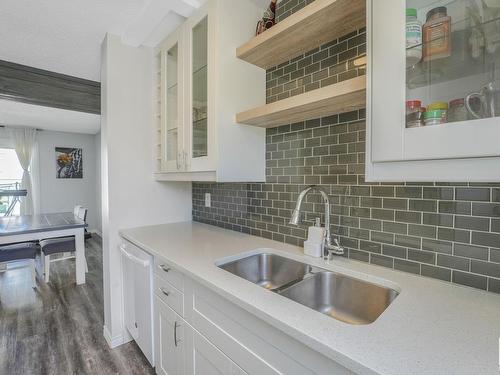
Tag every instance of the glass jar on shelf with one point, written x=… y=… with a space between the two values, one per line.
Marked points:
x=437 y=34
x=414 y=113
x=457 y=111
x=413 y=38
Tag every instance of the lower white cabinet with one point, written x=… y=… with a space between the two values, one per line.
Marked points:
x=170 y=343
x=180 y=349
x=203 y=358
x=212 y=336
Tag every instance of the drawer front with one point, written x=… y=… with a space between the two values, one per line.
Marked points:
x=170 y=295
x=165 y=271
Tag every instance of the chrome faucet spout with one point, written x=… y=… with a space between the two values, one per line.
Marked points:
x=295 y=219
x=329 y=248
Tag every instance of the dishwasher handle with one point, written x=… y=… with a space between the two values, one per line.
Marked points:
x=133 y=258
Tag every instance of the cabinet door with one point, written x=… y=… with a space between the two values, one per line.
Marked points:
x=199 y=85
x=172 y=125
x=169 y=340
x=450 y=69
x=203 y=358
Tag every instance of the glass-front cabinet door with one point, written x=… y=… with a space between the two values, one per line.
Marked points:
x=199 y=109
x=172 y=112
x=435 y=79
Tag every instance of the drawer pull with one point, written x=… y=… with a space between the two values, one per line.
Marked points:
x=176 y=325
x=164 y=267
x=164 y=291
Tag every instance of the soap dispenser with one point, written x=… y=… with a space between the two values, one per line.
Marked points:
x=313 y=246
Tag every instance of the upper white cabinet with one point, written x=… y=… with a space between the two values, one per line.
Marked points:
x=201 y=85
x=433 y=90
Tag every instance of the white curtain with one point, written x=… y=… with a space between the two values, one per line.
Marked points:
x=24 y=140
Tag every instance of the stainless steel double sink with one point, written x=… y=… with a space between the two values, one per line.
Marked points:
x=339 y=296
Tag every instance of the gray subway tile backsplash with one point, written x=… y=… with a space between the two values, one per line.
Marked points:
x=453 y=262
x=436 y=272
x=494 y=285
x=495 y=255
x=407 y=266
x=485 y=268
x=486 y=239
x=470 y=279
x=422 y=256
x=470 y=251
x=446 y=231
x=473 y=194
x=486 y=209
x=382 y=260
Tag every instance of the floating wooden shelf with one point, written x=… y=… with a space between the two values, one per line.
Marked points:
x=317 y=23
x=337 y=98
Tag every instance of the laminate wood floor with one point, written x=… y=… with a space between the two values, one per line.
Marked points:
x=57 y=327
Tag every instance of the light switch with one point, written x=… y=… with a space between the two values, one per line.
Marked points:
x=208 y=200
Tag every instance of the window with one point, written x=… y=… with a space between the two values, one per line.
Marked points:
x=11 y=174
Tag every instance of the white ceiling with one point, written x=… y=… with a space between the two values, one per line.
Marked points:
x=47 y=118
x=65 y=36
x=62 y=35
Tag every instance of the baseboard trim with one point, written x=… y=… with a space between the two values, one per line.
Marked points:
x=117 y=340
x=95 y=231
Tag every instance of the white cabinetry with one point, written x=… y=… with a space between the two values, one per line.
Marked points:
x=137 y=296
x=210 y=335
x=201 y=85
x=170 y=336
x=464 y=148
x=203 y=358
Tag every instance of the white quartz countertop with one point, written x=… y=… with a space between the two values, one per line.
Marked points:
x=432 y=327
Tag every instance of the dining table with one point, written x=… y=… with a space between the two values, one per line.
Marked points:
x=25 y=228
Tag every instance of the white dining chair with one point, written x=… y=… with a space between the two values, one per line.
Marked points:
x=65 y=245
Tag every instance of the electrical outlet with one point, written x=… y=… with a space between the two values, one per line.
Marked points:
x=208 y=200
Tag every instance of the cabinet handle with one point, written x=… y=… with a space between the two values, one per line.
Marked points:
x=164 y=267
x=178 y=161
x=164 y=291
x=175 y=333
x=184 y=160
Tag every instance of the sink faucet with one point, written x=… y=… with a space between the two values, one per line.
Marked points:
x=330 y=246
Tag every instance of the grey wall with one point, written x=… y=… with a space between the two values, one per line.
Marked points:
x=442 y=230
x=58 y=195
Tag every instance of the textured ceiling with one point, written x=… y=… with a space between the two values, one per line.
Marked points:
x=65 y=35
x=62 y=35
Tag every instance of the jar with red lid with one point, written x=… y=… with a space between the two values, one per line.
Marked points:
x=414 y=114
x=457 y=111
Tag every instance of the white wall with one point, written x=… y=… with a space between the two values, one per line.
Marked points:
x=97 y=144
x=130 y=196
x=59 y=195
